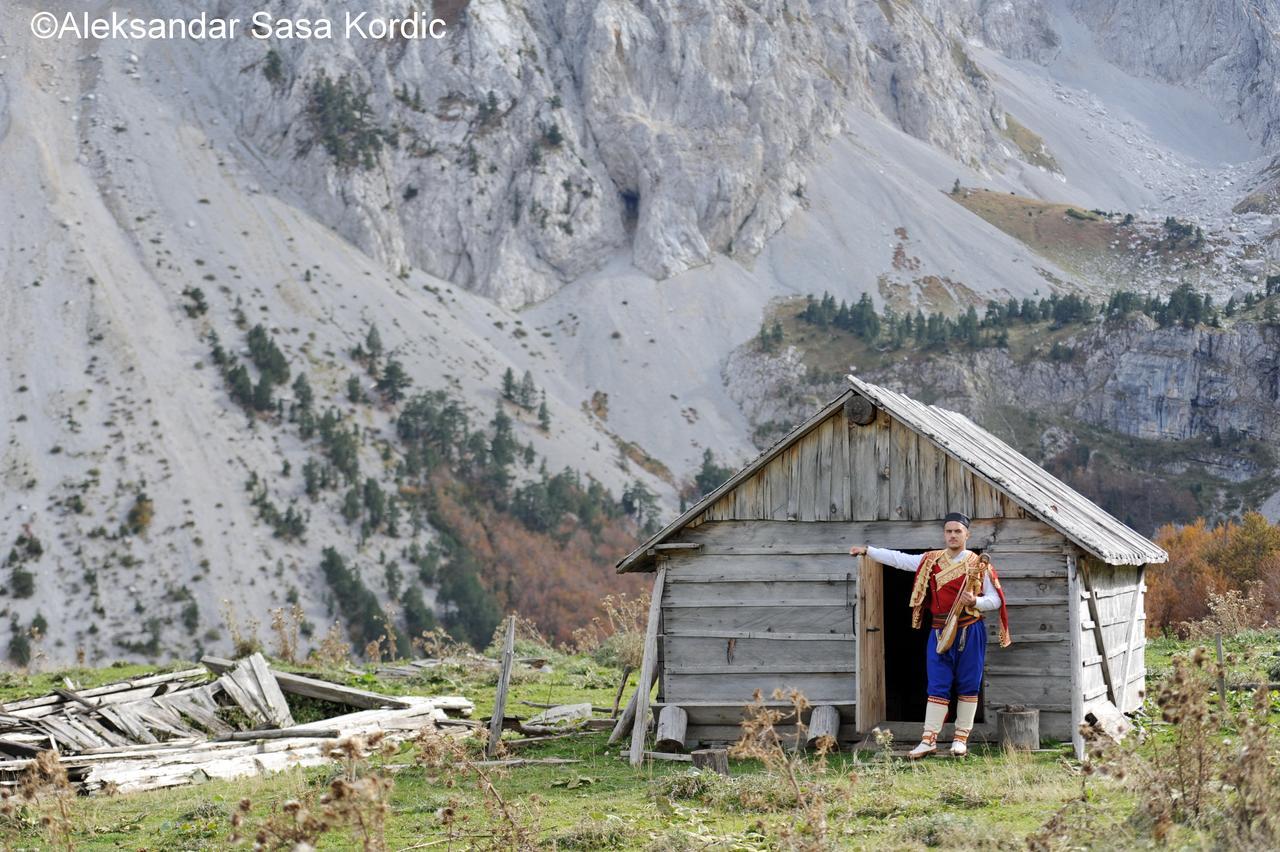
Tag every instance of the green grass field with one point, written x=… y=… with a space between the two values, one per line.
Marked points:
x=867 y=800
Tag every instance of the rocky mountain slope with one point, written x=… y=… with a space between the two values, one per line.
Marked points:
x=606 y=194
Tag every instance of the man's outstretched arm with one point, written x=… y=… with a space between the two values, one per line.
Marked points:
x=894 y=558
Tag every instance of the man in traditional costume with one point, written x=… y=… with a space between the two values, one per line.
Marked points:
x=946 y=585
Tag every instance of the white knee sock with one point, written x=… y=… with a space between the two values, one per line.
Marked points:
x=966 y=710
x=934 y=714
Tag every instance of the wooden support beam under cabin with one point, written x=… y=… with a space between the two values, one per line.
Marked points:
x=672 y=724
x=504 y=681
x=648 y=668
x=824 y=728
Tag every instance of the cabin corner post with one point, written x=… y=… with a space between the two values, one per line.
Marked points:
x=1077 y=656
x=648 y=666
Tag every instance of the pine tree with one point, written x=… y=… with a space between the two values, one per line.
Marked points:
x=509 y=385
x=373 y=343
x=394 y=381
x=544 y=416
x=527 y=391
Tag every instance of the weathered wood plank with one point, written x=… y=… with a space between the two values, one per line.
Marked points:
x=504 y=682
x=750 y=634
x=959 y=487
x=777 y=654
x=310 y=687
x=780 y=619
x=821 y=687
x=883 y=461
x=986 y=500
x=840 y=470
x=723 y=537
x=904 y=484
x=1074 y=639
x=1130 y=640
x=781 y=670
x=863 y=473
x=757 y=593
x=1099 y=639
x=871 y=661
x=933 y=481
x=648 y=666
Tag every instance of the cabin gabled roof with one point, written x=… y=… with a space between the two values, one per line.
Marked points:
x=1036 y=490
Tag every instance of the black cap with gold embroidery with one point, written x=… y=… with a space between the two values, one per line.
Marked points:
x=957 y=517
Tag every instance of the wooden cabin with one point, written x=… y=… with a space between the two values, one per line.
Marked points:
x=754 y=587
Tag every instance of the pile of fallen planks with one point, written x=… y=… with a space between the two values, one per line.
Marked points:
x=221 y=720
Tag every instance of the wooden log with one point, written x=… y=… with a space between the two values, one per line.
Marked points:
x=648 y=669
x=859 y=410
x=715 y=759
x=275 y=734
x=824 y=727
x=672 y=724
x=1018 y=729
x=504 y=681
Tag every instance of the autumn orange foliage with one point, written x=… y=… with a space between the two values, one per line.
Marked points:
x=557 y=584
x=1243 y=555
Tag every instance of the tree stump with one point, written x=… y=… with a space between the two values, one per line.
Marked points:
x=1018 y=729
x=672 y=724
x=715 y=759
x=824 y=724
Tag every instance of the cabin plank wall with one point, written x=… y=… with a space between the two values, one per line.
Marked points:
x=836 y=472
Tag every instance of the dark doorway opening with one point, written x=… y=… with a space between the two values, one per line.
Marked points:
x=906 y=685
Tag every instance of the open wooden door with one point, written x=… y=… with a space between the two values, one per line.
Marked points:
x=871 y=696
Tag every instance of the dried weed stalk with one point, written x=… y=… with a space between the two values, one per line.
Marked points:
x=761 y=741
x=42 y=789
x=513 y=828
x=243 y=641
x=357 y=800
x=1205 y=771
x=619 y=634
x=285 y=624
x=334 y=650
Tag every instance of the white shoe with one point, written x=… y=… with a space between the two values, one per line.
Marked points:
x=927 y=746
x=959 y=747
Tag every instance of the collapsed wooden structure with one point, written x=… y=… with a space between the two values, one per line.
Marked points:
x=754 y=588
x=182 y=727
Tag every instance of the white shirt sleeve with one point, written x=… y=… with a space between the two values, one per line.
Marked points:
x=895 y=558
x=990 y=598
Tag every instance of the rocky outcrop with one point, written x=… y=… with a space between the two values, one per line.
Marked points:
x=1133 y=379
x=539 y=138
x=1226 y=49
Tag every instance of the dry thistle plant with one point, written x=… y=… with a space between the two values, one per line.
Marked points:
x=294 y=826
x=1230 y=613
x=334 y=650
x=438 y=644
x=761 y=741
x=356 y=800
x=512 y=827
x=243 y=642
x=620 y=631
x=285 y=624
x=43 y=788
x=1206 y=771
